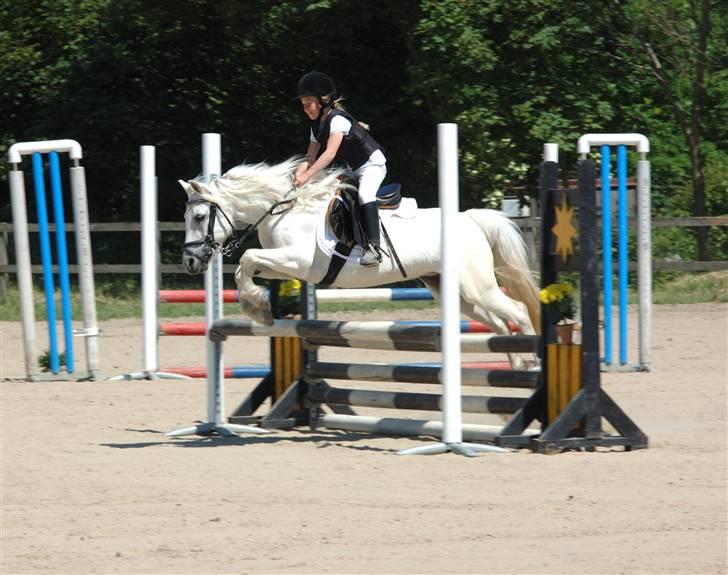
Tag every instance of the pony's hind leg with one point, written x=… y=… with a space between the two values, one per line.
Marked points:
x=501 y=327
x=489 y=317
x=496 y=309
x=498 y=325
x=476 y=311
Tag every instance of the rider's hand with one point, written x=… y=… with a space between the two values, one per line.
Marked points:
x=300 y=179
x=299 y=172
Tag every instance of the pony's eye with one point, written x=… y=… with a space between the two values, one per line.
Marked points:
x=199 y=217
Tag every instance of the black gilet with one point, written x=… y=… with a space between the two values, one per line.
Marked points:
x=357 y=145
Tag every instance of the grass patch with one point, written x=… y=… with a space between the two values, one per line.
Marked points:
x=677 y=289
x=693 y=288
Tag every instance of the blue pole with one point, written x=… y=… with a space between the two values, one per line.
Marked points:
x=607 y=251
x=45 y=255
x=623 y=250
x=411 y=294
x=249 y=371
x=62 y=253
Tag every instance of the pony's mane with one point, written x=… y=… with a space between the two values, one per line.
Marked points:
x=263 y=184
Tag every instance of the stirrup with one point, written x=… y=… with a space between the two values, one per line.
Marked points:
x=372 y=256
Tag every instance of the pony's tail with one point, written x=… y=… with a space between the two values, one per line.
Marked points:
x=510 y=260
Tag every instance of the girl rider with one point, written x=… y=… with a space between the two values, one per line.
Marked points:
x=335 y=134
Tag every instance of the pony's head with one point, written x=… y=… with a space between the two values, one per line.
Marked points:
x=207 y=225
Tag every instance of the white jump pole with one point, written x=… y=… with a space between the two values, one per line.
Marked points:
x=24 y=274
x=644 y=262
x=148 y=186
x=150 y=271
x=211 y=168
x=86 y=285
x=449 y=192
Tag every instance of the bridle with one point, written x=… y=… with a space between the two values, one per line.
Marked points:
x=237 y=237
x=209 y=244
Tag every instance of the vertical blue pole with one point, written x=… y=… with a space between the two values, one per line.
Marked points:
x=607 y=250
x=623 y=253
x=45 y=255
x=62 y=253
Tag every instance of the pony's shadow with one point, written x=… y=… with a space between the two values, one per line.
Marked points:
x=322 y=438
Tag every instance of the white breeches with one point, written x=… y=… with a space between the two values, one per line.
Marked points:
x=370 y=179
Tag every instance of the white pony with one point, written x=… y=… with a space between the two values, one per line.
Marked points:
x=288 y=233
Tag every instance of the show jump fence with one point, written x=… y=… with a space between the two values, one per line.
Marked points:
x=568 y=400
x=83 y=253
x=620 y=142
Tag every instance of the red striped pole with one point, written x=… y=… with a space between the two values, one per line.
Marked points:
x=194 y=296
x=182 y=328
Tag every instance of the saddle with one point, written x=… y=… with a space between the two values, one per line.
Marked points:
x=342 y=216
x=342 y=213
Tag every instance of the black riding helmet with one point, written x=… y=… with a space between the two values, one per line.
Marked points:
x=316 y=84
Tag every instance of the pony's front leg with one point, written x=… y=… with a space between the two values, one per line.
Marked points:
x=270 y=264
x=252 y=298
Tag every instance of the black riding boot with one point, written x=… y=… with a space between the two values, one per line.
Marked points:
x=370 y=216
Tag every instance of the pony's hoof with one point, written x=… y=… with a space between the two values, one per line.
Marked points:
x=258 y=315
x=255 y=313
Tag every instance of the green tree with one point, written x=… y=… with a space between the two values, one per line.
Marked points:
x=514 y=75
x=683 y=44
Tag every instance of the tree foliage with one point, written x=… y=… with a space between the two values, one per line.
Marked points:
x=513 y=75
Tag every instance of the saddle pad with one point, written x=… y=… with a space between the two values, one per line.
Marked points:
x=327 y=240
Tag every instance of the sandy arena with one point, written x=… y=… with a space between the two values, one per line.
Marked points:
x=91 y=485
